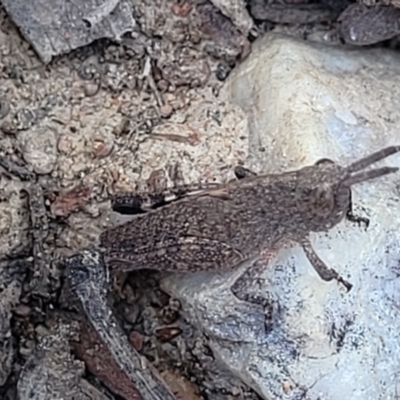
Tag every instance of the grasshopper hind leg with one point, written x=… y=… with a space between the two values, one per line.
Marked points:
x=245 y=283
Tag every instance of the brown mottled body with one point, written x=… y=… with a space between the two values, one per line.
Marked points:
x=220 y=227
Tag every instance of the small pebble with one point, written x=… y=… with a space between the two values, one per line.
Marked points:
x=103 y=149
x=22 y=310
x=162 y=85
x=166 y=110
x=64 y=144
x=136 y=340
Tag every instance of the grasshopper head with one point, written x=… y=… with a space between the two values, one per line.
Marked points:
x=323 y=191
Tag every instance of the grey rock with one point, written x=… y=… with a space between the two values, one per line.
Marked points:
x=56 y=26
x=362 y=25
x=294 y=12
x=237 y=12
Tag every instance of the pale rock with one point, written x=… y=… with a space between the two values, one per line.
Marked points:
x=39 y=147
x=305 y=102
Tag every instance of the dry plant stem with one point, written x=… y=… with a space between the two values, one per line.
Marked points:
x=89 y=280
x=40 y=227
x=14 y=169
x=94 y=352
x=40 y=274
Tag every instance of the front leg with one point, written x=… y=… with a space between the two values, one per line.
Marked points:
x=355 y=218
x=325 y=273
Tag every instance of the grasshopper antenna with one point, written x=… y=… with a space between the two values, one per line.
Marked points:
x=366 y=162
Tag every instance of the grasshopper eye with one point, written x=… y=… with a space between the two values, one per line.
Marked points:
x=322 y=200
